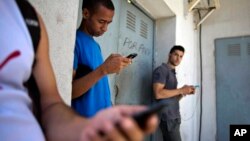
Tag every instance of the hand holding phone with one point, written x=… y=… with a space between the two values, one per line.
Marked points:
x=132 y=55
x=143 y=116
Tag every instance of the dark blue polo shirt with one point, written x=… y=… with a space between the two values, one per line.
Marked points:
x=165 y=75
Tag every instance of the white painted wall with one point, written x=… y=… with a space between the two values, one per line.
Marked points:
x=188 y=74
x=60 y=17
x=231 y=20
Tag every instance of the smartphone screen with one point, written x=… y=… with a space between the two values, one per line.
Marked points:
x=131 y=56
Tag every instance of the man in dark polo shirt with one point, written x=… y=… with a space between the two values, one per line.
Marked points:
x=165 y=89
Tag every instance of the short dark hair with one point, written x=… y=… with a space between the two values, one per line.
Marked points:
x=177 y=47
x=92 y=5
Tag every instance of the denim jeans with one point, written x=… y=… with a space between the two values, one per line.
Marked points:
x=171 y=129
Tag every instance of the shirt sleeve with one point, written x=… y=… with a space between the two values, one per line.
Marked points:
x=160 y=75
x=76 y=56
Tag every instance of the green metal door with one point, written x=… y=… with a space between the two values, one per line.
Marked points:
x=232 y=84
x=135 y=36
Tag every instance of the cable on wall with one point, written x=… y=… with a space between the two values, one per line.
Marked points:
x=201 y=76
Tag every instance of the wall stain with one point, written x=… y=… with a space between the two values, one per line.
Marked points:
x=59 y=19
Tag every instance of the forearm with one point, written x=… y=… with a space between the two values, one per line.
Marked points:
x=165 y=93
x=83 y=84
x=58 y=120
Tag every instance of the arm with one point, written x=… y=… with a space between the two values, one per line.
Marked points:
x=113 y=64
x=83 y=84
x=161 y=92
x=56 y=116
x=115 y=124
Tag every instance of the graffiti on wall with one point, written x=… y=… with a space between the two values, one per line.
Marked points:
x=136 y=46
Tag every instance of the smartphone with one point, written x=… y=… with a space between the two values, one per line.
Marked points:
x=196 y=86
x=142 y=117
x=132 y=55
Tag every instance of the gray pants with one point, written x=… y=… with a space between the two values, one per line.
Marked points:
x=170 y=130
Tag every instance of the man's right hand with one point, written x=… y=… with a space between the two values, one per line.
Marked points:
x=115 y=63
x=116 y=123
x=188 y=89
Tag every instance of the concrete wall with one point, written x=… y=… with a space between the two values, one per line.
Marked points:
x=165 y=38
x=231 y=20
x=60 y=17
